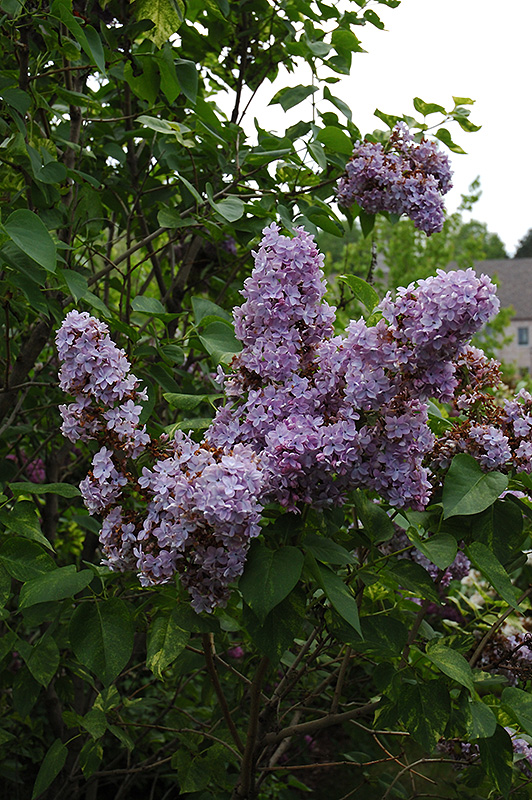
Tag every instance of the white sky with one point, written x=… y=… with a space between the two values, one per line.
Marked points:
x=433 y=49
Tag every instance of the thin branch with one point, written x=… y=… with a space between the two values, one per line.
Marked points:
x=320 y=724
x=208 y=650
x=496 y=625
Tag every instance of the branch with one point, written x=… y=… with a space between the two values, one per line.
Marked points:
x=496 y=625
x=320 y=724
x=248 y=762
x=208 y=650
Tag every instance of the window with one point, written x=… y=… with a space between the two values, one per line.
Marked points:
x=522 y=336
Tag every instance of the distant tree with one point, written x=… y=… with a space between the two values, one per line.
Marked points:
x=524 y=248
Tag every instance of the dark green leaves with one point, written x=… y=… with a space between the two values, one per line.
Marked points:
x=424 y=710
x=166 y=640
x=484 y=560
x=451 y=663
x=219 y=340
x=101 y=634
x=51 y=766
x=292 y=96
x=469 y=490
x=55 y=585
x=28 y=232
x=340 y=597
x=496 y=754
x=520 y=705
x=62 y=489
x=269 y=576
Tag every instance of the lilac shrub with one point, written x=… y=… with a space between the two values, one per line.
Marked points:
x=403 y=177
x=309 y=416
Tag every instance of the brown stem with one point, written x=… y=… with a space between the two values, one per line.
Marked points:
x=341 y=680
x=320 y=724
x=245 y=788
x=208 y=650
x=496 y=625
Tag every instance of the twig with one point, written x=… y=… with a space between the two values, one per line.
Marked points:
x=497 y=624
x=208 y=650
x=319 y=724
x=248 y=761
x=341 y=679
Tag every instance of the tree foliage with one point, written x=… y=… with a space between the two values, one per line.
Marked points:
x=129 y=193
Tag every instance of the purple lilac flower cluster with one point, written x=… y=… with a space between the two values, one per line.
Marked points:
x=498 y=435
x=33 y=468
x=193 y=512
x=404 y=177
x=98 y=374
x=328 y=414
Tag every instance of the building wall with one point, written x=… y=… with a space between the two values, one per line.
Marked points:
x=519 y=351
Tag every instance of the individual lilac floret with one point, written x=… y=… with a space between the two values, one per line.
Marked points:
x=402 y=178
x=98 y=374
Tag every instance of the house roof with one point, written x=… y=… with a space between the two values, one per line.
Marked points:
x=514 y=279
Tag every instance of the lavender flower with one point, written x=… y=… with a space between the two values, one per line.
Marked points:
x=403 y=178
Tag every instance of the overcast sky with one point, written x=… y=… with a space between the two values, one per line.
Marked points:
x=435 y=49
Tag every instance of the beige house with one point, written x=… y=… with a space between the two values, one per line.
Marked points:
x=514 y=280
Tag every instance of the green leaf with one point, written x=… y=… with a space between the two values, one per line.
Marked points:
x=483 y=720
x=28 y=232
x=27 y=487
x=444 y=136
x=451 y=663
x=496 y=754
x=95 y=722
x=147 y=305
x=335 y=139
x=95 y=46
x=56 y=585
x=414 y=578
x=166 y=15
x=269 y=576
x=424 y=710
x=340 y=597
x=187 y=74
x=219 y=340
x=194 y=424
x=467 y=489
x=166 y=640
x=50 y=768
x=277 y=632
x=376 y=522
x=318 y=154
x=206 y=308
x=441 y=548
x=22 y=519
x=292 y=96
x=340 y=105
x=463 y=101
x=520 y=704
x=383 y=635
x=90 y=757
x=231 y=209
x=367 y=222
x=44 y=661
x=427 y=108
x=24 y=559
x=188 y=402
x=327 y=551
x=484 y=560
x=362 y=290
x=77 y=284
x=101 y=634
